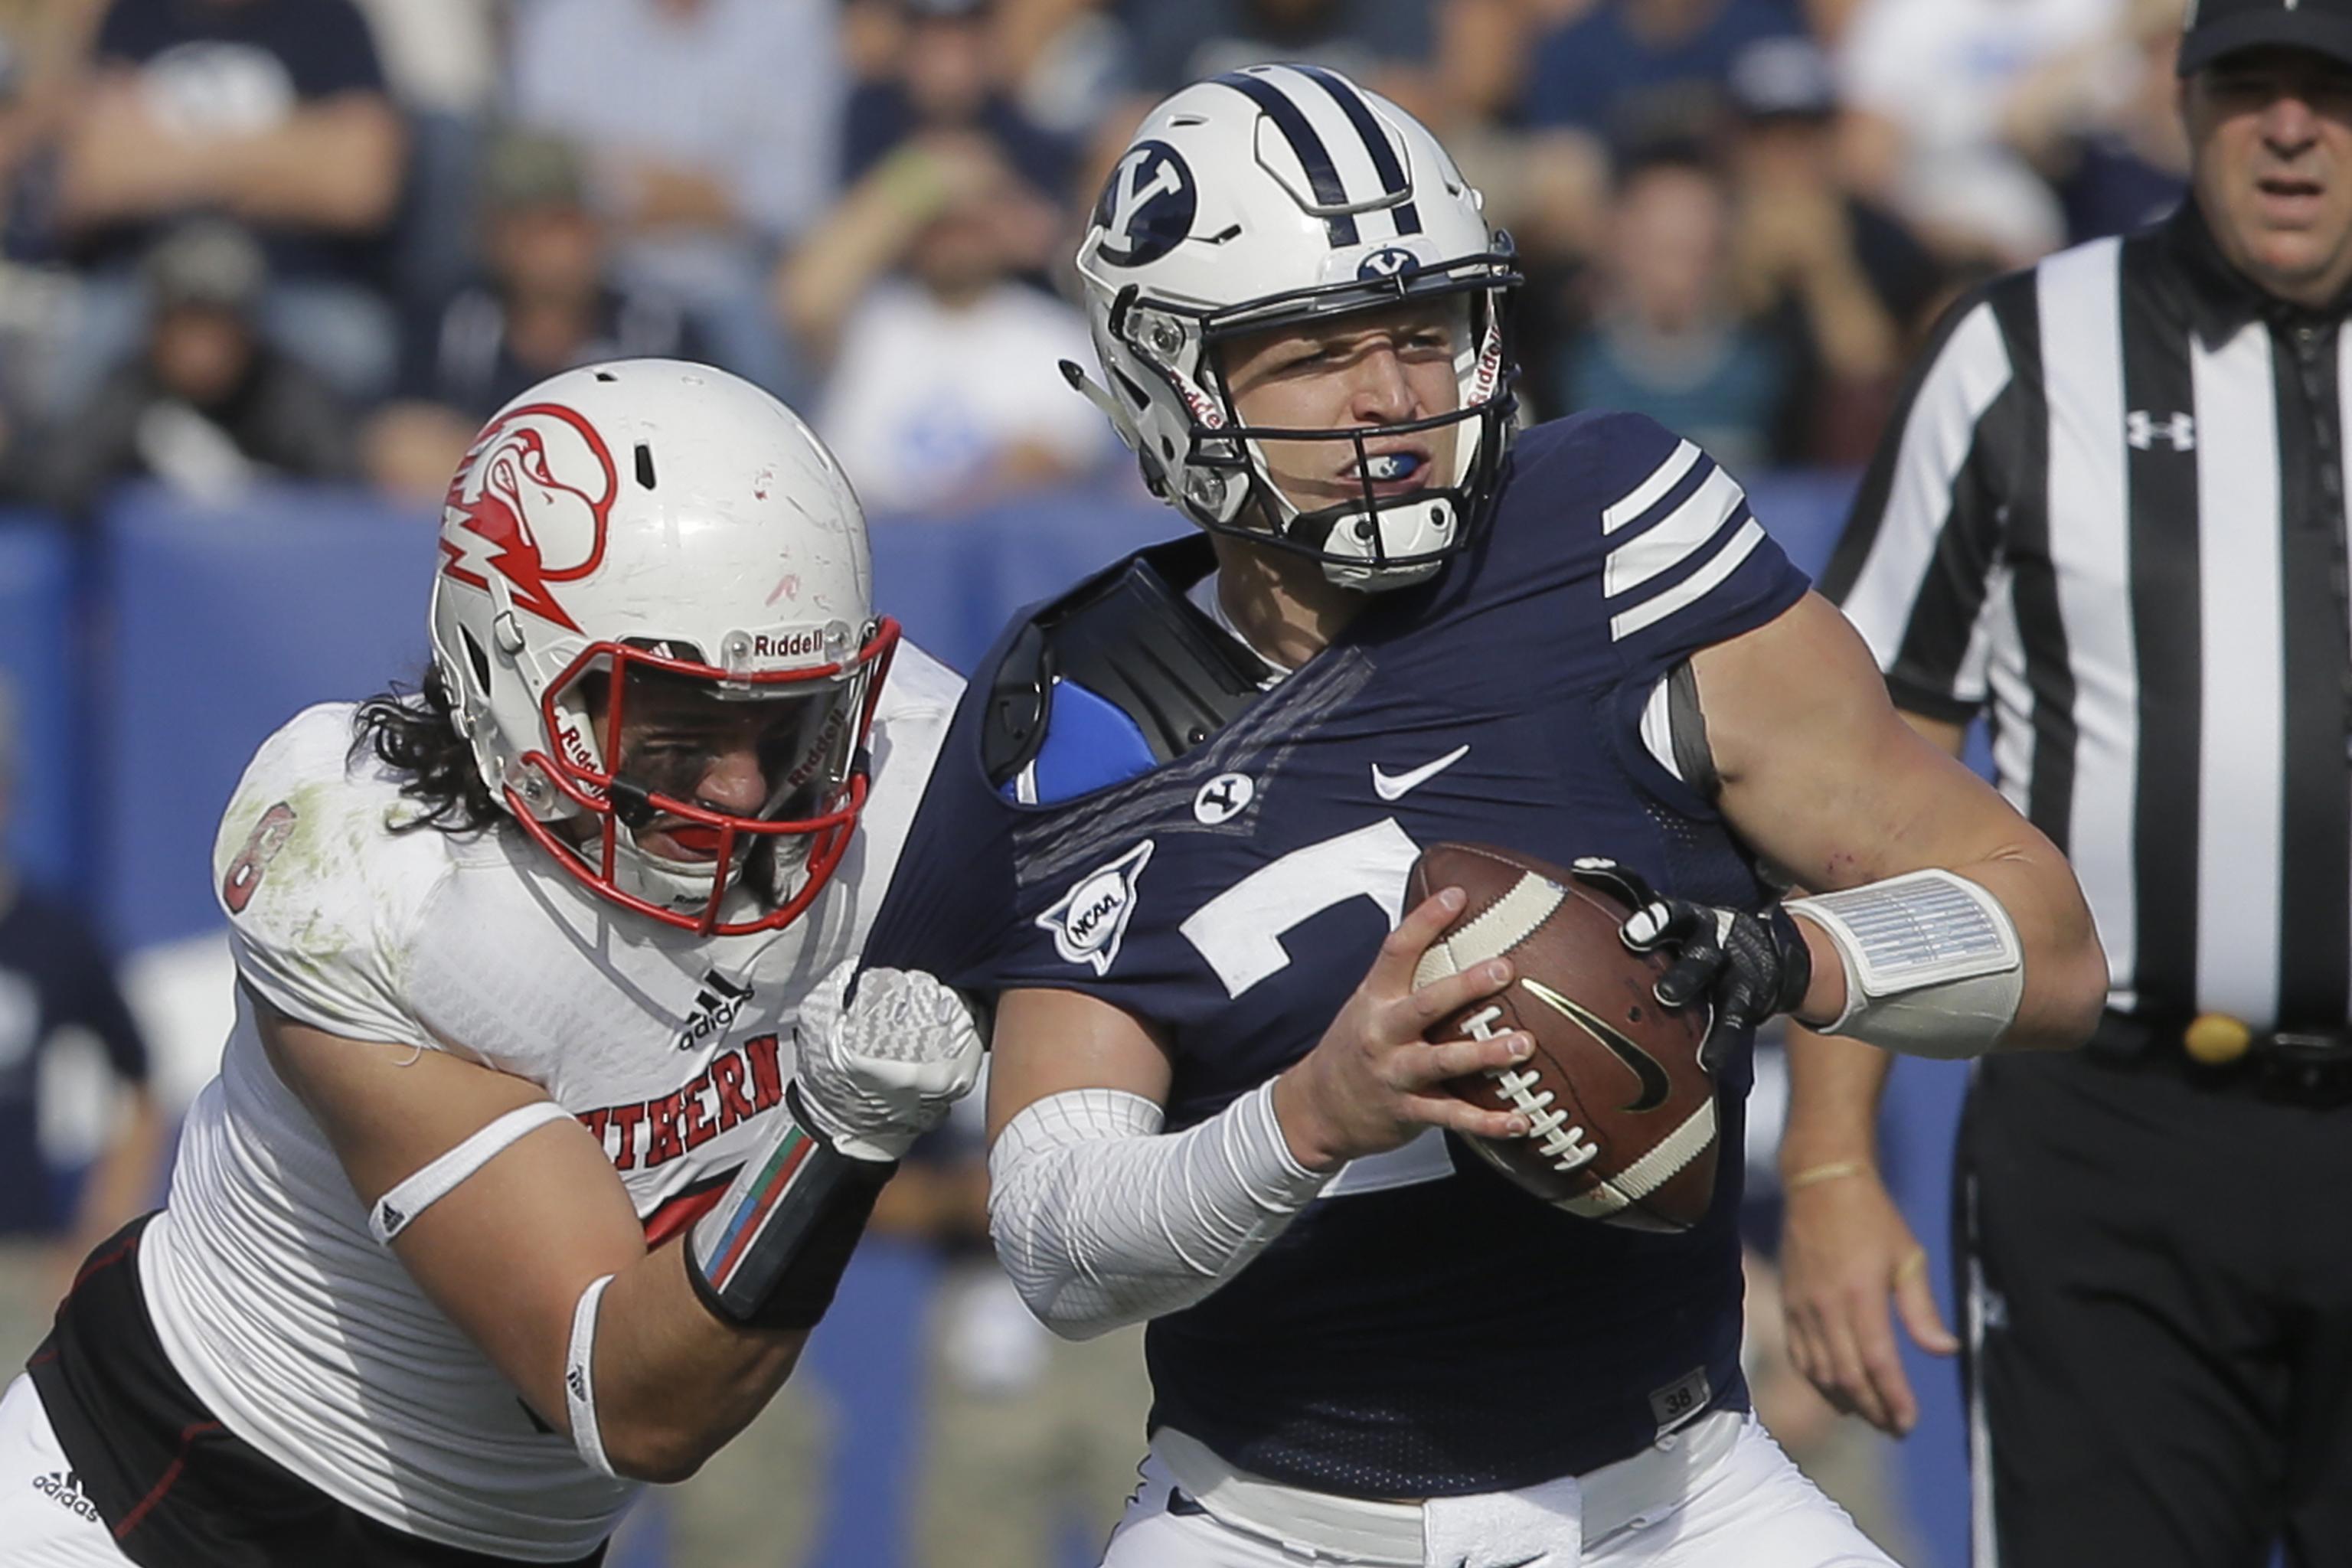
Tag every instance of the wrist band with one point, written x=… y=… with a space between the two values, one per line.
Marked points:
x=770 y=1254
x=1813 y=1175
x=1933 y=964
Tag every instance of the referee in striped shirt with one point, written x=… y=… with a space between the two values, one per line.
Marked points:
x=2113 y=515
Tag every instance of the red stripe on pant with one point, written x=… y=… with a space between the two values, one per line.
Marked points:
x=170 y=1477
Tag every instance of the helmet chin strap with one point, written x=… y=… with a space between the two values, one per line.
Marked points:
x=1352 y=528
x=1349 y=528
x=1094 y=392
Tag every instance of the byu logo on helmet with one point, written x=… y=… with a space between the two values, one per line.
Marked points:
x=1389 y=261
x=1147 y=207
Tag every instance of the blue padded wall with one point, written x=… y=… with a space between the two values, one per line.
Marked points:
x=42 y=660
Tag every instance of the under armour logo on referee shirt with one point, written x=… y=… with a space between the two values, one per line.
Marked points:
x=2143 y=430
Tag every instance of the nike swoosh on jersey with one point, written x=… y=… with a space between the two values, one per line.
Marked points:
x=1396 y=787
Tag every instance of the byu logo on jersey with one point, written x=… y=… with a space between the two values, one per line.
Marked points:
x=1223 y=798
x=1147 y=209
x=1088 y=921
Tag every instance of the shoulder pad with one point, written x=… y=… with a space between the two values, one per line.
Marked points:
x=321 y=892
x=1129 y=638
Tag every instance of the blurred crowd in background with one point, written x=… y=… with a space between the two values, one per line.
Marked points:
x=326 y=238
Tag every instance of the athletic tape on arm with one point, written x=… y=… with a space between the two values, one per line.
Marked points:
x=1102 y=1220
x=395 y=1210
x=1933 y=964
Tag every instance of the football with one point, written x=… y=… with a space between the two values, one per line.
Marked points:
x=1623 y=1110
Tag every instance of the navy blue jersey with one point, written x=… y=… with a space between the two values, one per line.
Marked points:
x=1424 y=1328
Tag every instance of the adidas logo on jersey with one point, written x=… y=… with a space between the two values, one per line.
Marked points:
x=65 y=1486
x=716 y=1006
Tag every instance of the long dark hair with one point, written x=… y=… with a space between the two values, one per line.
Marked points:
x=414 y=734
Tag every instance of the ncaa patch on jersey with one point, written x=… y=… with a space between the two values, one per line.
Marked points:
x=1088 y=922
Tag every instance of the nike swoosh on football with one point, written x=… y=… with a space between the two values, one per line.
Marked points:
x=1396 y=787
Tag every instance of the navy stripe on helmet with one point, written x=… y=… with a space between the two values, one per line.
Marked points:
x=1376 y=142
x=1322 y=175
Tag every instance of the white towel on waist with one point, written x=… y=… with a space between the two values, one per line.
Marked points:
x=1541 y=1526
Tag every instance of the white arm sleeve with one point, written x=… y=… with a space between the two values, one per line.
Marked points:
x=1102 y=1220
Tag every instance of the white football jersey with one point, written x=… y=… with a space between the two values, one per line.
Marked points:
x=308 y=1340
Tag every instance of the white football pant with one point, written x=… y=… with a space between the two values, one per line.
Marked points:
x=44 y=1522
x=1719 y=1494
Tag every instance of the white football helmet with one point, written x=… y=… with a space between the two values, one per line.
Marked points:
x=1265 y=197
x=661 y=531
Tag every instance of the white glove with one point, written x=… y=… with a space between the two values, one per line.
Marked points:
x=879 y=1073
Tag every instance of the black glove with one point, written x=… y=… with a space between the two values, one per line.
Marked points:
x=1751 y=966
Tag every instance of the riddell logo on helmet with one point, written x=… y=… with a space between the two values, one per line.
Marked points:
x=786 y=645
x=575 y=749
x=530 y=502
x=1490 y=366
x=827 y=743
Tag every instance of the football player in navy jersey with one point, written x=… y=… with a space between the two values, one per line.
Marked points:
x=1169 y=838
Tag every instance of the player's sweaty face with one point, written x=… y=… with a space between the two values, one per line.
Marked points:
x=744 y=757
x=1384 y=367
x=2271 y=133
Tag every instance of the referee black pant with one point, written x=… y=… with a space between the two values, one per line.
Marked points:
x=2159 y=1314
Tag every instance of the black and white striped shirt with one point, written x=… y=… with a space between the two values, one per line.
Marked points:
x=2113 y=510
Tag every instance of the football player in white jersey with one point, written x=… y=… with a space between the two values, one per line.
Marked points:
x=545 y=1131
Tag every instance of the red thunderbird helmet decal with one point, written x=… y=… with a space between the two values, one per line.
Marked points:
x=530 y=502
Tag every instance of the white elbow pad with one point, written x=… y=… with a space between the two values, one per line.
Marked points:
x=1933 y=967
x=1102 y=1219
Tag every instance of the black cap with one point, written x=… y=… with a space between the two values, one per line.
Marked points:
x=2218 y=28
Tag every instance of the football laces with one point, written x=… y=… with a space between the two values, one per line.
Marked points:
x=1556 y=1140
